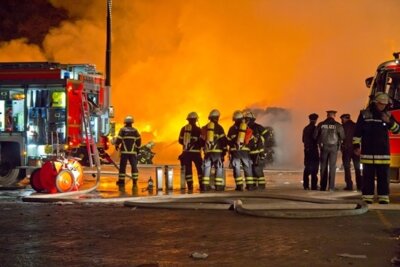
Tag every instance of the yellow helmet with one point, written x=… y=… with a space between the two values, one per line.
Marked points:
x=237 y=115
x=128 y=119
x=192 y=115
x=381 y=98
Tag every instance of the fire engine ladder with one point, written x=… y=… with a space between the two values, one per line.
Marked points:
x=93 y=153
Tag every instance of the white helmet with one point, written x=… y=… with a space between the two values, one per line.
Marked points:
x=214 y=114
x=237 y=115
x=248 y=114
x=192 y=115
x=128 y=119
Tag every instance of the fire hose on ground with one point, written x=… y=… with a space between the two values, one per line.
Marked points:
x=237 y=201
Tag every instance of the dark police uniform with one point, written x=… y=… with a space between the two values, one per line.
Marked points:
x=311 y=154
x=329 y=134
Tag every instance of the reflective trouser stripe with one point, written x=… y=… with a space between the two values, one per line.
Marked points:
x=189 y=178
x=219 y=181
x=261 y=180
x=135 y=176
x=369 y=198
x=239 y=180
x=383 y=199
x=250 y=180
x=205 y=180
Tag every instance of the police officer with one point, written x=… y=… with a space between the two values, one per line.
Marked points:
x=128 y=141
x=215 y=146
x=371 y=142
x=348 y=154
x=189 y=138
x=257 y=148
x=311 y=154
x=329 y=134
x=239 y=152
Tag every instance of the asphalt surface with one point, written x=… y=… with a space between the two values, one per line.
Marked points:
x=92 y=234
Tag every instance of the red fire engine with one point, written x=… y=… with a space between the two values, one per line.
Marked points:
x=47 y=109
x=387 y=79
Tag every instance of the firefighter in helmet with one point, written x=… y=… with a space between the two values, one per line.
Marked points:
x=371 y=142
x=189 y=138
x=257 y=148
x=128 y=142
x=239 y=136
x=215 y=146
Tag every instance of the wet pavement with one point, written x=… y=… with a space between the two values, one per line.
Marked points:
x=91 y=234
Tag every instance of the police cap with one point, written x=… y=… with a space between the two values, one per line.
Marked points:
x=313 y=116
x=345 y=116
x=331 y=111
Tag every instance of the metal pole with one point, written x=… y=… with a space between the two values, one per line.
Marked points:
x=183 y=178
x=159 y=177
x=169 y=173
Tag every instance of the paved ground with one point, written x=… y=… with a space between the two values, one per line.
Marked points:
x=65 y=234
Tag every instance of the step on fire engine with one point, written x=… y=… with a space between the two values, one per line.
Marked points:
x=51 y=112
x=387 y=79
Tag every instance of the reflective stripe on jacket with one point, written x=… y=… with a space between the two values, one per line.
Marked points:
x=129 y=139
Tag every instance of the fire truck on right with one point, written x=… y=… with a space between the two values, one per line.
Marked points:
x=387 y=79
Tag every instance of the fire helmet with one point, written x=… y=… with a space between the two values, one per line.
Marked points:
x=128 y=119
x=214 y=114
x=248 y=114
x=381 y=98
x=237 y=115
x=192 y=115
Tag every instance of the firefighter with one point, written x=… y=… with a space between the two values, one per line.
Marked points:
x=239 y=152
x=329 y=135
x=128 y=142
x=189 y=138
x=371 y=142
x=348 y=154
x=257 y=147
x=311 y=154
x=215 y=146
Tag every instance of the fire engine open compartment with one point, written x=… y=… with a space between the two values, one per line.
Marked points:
x=49 y=109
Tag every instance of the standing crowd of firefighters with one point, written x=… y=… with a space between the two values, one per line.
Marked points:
x=365 y=142
x=207 y=147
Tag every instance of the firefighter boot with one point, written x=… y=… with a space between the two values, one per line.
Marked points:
x=261 y=187
x=251 y=187
x=190 y=186
x=239 y=187
x=204 y=188
x=219 y=188
x=121 y=182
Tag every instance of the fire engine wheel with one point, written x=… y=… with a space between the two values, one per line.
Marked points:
x=8 y=174
x=65 y=181
x=35 y=180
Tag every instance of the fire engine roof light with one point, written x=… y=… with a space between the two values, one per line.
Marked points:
x=396 y=57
